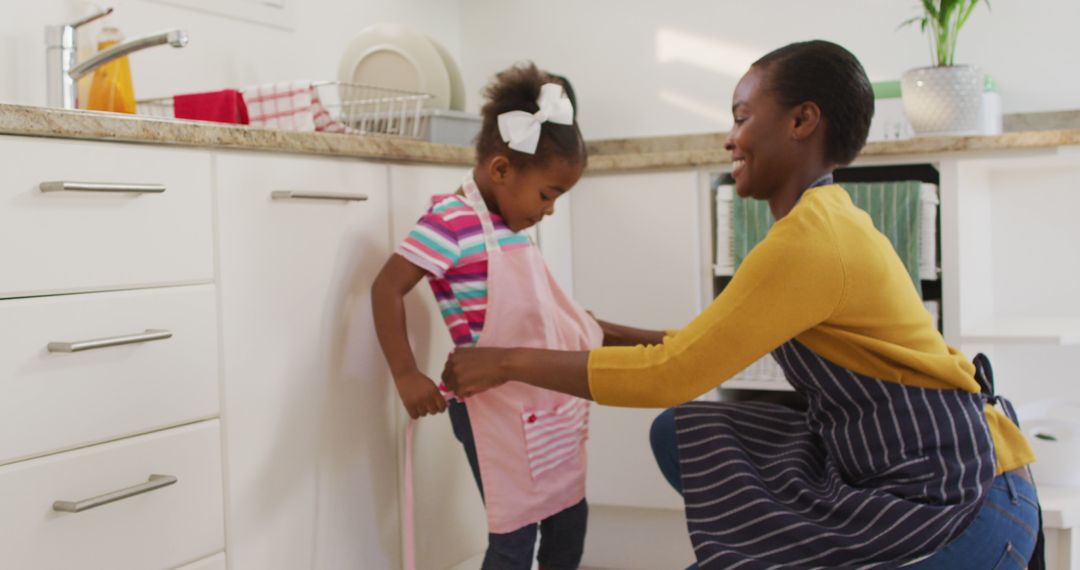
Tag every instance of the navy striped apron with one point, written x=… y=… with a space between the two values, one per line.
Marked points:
x=874 y=474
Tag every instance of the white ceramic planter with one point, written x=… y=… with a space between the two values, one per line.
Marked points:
x=943 y=100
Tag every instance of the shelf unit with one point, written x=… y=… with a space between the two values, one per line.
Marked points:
x=765 y=375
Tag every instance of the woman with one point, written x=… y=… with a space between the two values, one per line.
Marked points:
x=900 y=458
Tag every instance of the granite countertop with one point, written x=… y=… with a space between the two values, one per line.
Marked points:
x=61 y=123
x=708 y=149
x=1040 y=130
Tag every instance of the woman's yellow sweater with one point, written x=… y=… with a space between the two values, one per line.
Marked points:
x=826 y=277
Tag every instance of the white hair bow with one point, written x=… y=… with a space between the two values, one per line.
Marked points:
x=521 y=130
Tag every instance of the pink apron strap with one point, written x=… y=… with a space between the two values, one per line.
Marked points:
x=408 y=524
x=476 y=200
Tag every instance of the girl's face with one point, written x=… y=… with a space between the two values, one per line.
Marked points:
x=527 y=195
x=761 y=143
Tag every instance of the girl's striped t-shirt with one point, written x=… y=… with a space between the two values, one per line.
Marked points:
x=448 y=243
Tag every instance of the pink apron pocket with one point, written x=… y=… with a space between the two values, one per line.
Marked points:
x=554 y=437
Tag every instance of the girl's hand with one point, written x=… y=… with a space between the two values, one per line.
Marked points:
x=470 y=371
x=420 y=395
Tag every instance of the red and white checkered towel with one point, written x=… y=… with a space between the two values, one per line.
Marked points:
x=289 y=106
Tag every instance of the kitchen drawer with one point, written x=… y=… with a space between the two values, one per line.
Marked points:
x=161 y=528
x=51 y=401
x=215 y=562
x=72 y=241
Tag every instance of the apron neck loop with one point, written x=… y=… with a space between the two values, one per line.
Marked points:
x=476 y=200
x=823 y=181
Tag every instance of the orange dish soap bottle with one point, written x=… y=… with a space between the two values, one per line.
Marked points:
x=111 y=89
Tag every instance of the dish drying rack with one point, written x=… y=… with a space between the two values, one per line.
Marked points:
x=362 y=109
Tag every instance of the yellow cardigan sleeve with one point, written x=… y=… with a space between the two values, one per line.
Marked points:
x=790 y=282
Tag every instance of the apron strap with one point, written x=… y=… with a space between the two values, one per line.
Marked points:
x=408 y=521
x=476 y=200
x=984 y=375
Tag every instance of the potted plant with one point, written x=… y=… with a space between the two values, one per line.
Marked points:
x=943 y=99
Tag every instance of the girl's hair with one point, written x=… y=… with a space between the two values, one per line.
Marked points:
x=517 y=89
x=831 y=77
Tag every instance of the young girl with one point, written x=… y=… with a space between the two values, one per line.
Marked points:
x=525 y=445
x=901 y=456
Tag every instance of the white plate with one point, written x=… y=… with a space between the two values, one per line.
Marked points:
x=388 y=55
x=457 y=84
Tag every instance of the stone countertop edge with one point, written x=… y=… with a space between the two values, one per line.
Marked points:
x=611 y=155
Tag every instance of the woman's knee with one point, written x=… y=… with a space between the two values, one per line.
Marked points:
x=665 y=447
x=662 y=433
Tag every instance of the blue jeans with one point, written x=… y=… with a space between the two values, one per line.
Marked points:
x=562 y=535
x=1001 y=537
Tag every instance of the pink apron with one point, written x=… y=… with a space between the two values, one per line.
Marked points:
x=530 y=442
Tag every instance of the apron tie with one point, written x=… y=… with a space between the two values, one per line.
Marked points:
x=984 y=375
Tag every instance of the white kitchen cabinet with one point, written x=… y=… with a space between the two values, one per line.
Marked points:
x=160 y=528
x=74 y=240
x=115 y=388
x=1061 y=523
x=638 y=239
x=54 y=400
x=637 y=261
x=637 y=255
x=308 y=409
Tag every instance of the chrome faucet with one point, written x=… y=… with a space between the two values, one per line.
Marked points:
x=62 y=44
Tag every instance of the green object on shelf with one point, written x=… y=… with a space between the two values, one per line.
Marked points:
x=886 y=89
x=894 y=207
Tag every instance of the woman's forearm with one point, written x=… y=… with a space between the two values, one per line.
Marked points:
x=470 y=371
x=560 y=371
x=621 y=335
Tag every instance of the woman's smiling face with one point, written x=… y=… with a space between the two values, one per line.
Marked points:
x=760 y=139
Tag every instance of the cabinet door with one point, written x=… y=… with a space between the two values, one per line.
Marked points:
x=637 y=251
x=308 y=407
x=637 y=260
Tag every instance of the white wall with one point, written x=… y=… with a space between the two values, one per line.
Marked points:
x=653 y=68
x=223 y=52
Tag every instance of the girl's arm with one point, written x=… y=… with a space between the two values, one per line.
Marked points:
x=418 y=393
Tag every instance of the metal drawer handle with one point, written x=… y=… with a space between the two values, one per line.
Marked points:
x=291 y=195
x=68 y=186
x=81 y=345
x=155 y=482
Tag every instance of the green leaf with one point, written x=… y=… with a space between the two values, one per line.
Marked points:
x=942 y=21
x=912 y=20
x=930 y=8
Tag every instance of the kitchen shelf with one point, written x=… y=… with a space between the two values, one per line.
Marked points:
x=1053 y=331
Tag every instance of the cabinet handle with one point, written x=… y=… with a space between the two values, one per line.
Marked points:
x=291 y=195
x=155 y=482
x=67 y=186
x=81 y=345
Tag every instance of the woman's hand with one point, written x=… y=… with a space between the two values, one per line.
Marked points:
x=470 y=371
x=420 y=395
